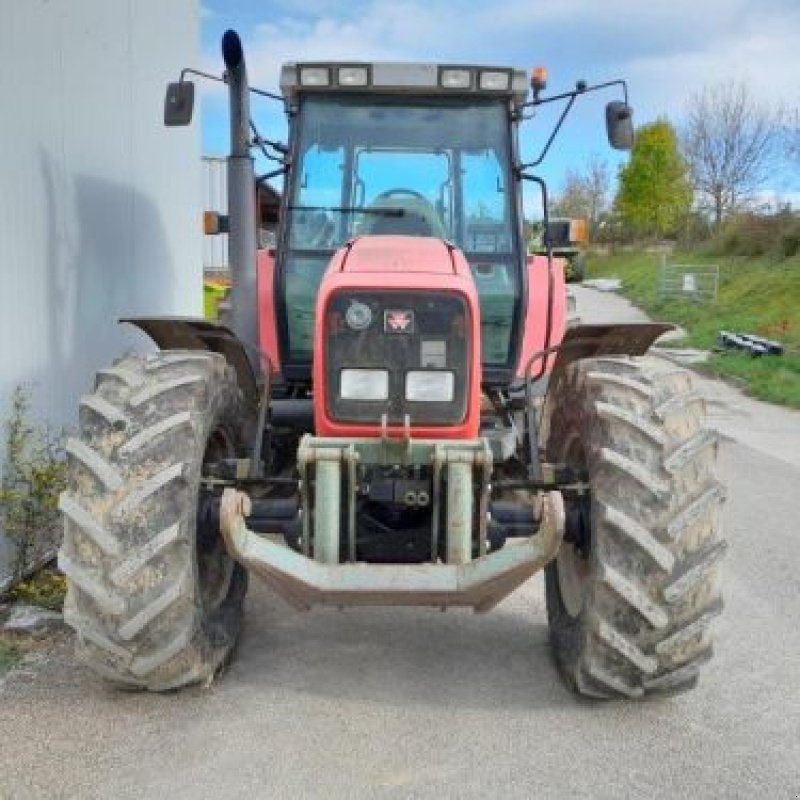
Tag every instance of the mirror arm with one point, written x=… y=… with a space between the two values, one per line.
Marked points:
x=260 y=92
x=580 y=89
x=270 y=95
x=261 y=143
x=189 y=71
x=282 y=170
x=553 y=135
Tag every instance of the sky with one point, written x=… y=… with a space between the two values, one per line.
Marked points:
x=665 y=50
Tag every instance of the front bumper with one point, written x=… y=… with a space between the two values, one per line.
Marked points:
x=303 y=581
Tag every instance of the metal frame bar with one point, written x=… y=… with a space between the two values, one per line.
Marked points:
x=303 y=582
x=436 y=494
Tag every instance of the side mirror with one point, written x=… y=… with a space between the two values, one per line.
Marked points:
x=179 y=104
x=619 y=125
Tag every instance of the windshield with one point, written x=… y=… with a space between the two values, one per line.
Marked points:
x=427 y=168
x=421 y=167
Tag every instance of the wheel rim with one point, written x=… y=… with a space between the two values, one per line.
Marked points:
x=573 y=566
x=573 y=578
x=214 y=567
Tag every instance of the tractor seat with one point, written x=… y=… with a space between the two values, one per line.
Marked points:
x=410 y=224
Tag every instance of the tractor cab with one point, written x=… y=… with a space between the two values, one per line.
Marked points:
x=418 y=150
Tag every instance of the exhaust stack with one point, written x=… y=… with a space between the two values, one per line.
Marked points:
x=242 y=241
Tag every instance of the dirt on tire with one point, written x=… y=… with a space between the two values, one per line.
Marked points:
x=633 y=616
x=154 y=605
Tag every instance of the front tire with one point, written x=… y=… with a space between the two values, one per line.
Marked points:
x=629 y=609
x=155 y=599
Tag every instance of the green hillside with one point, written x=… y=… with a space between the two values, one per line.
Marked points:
x=756 y=295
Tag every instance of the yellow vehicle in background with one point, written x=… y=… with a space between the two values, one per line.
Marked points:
x=568 y=239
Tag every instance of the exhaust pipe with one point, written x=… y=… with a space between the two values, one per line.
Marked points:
x=242 y=241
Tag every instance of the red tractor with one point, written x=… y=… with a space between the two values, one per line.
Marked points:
x=397 y=414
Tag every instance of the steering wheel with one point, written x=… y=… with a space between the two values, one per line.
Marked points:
x=401 y=192
x=419 y=214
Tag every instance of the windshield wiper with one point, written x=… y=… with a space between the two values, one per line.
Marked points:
x=381 y=212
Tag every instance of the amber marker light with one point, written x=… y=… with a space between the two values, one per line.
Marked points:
x=214 y=223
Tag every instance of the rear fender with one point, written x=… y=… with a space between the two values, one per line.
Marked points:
x=189 y=333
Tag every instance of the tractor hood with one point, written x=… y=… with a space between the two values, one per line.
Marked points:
x=399 y=254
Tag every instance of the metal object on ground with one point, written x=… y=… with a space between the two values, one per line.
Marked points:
x=748 y=342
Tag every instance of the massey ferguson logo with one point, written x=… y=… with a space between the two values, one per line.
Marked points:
x=398 y=321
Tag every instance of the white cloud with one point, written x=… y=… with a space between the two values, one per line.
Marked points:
x=665 y=47
x=767 y=58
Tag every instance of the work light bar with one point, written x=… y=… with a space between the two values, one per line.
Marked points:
x=383 y=77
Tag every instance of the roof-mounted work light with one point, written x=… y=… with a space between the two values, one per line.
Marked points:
x=454 y=78
x=315 y=76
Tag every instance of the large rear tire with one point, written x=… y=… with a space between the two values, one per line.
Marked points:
x=629 y=608
x=156 y=601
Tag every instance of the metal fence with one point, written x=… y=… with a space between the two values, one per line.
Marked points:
x=696 y=282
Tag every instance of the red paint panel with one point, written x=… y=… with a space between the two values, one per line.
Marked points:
x=535 y=337
x=267 y=325
x=399 y=254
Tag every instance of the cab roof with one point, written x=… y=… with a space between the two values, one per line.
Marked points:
x=404 y=78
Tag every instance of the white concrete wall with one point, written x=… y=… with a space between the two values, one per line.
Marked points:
x=99 y=203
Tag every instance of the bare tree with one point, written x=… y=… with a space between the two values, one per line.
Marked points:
x=729 y=140
x=598 y=180
x=585 y=194
x=792 y=138
x=572 y=200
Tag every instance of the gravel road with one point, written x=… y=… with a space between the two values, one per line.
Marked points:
x=410 y=703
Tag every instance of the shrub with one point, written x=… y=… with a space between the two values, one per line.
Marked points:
x=753 y=235
x=34 y=474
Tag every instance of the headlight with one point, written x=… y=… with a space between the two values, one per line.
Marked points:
x=430 y=386
x=364 y=384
